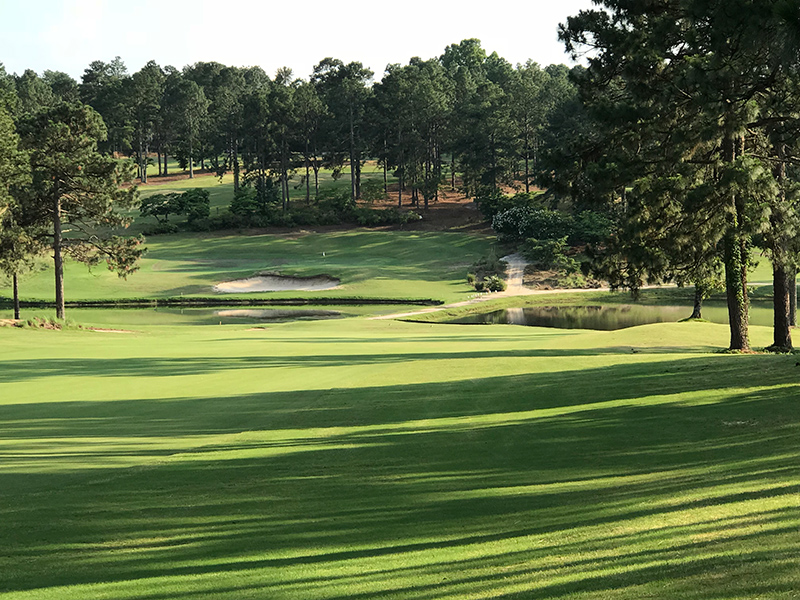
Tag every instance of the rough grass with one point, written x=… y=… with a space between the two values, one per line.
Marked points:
x=366 y=459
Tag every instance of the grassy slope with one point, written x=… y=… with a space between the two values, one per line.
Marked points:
x=391 y=264
x=360 y=459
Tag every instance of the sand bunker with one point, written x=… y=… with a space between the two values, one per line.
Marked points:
x=277 y=313
x=277 y=283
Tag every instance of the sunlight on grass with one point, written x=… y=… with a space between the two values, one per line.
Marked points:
x=353 y=458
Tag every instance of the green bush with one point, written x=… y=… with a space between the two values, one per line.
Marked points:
x=523 y=222
x=487 y=275
x=550 y=254
x=492 y=202
x=495 y=284
x=160 y=228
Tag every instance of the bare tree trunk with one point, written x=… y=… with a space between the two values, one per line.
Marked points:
x=57 y=258
x=782 y=336
x=358 y=175
x=353 y=194
x=385 y=168
x=191 y=160
x=284 y=179
x=158 y=154
x=165 y=164
x=16 y=296
x=699 y=292
x=235 y=165
x=528 y=177
x=142 y=161
x=400 y=187
x=308 y=176
x=793 y=298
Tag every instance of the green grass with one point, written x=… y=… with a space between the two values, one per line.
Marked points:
x=365 y=459
x=374 y=264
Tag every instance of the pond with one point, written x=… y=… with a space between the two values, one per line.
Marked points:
x=609 y=317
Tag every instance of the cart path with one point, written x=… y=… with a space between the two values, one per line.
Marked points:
x=516 y=271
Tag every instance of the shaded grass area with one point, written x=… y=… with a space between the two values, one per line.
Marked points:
x=377 y=264
x=364 y=459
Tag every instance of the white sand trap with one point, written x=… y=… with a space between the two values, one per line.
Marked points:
x=277 y=283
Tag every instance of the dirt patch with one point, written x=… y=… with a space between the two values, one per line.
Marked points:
x=277 y=283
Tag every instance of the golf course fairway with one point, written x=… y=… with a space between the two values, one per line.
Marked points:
x=354 y=458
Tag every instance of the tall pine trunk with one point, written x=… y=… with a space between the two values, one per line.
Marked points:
x=735 y=259
x=781 y=331
x=793 y=297
x=165 y=164
x=191 y=159
x=353 y=194
x=235 y=149
x=781 y=303
x=697 y=310
x=142 y=160
x=308 y=176
x=57 y=258
x=16 y=296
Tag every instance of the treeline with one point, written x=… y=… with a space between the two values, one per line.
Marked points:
x=465 y=112
x=63 y=185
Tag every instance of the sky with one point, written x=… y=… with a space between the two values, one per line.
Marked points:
x=66 y=35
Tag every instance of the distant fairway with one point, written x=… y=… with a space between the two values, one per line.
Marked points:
x=371 y=264
x=366 y=459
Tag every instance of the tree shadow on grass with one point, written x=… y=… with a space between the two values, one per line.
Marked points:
x=169 y=366
x=428 y=491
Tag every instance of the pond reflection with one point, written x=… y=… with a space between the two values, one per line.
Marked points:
x=606 y=317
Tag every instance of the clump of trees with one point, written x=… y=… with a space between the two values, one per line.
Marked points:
x=58 y=192
x=686 y=130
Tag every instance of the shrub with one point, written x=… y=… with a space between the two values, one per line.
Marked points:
x=495 y=284
x=160 y=228
x=195 y=204
x=487 y=274
x=549 y=254
x=522 y=222
x=493 y=202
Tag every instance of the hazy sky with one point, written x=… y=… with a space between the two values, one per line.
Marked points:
x=66 y=35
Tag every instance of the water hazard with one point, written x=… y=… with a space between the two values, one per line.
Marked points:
x=606 y=317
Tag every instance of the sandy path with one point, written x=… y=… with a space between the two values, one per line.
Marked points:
x=514 y=287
